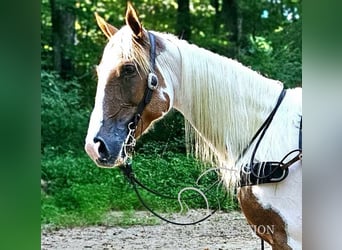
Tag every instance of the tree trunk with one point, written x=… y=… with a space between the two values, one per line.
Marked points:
x=229 y=16
x=183 y=27
x=217 y=19
x=63 y=33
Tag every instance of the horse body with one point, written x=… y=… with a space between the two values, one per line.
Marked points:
x=223 y=101
x=226 y=115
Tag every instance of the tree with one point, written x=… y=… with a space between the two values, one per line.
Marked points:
x=264 y=35
x=229 y=17
x=63 y=35
x=183 y=26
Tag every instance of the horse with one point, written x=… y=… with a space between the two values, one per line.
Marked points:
x=143 y=74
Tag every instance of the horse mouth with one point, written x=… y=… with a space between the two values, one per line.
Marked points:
x=107 y=146
x=109 y=163
x=104 y=161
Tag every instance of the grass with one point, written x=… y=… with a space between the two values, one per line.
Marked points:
x=79 y=194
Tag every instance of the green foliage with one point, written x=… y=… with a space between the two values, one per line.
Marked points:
x=166 y=135
x=64 y=121
x=279 y=56
x=79 y=193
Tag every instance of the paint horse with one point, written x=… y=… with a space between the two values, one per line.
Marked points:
x=144 y=74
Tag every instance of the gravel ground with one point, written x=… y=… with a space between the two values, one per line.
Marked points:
x=221 y=231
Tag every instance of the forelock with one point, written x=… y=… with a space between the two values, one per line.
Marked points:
x=123 y=47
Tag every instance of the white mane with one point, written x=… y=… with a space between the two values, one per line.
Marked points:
x=225 y=103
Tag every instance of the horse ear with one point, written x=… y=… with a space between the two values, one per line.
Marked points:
x=132 y=20
x=107 y=29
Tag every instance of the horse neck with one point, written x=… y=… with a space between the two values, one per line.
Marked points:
x=224 y=101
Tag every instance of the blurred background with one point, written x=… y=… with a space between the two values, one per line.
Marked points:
x=265 y=35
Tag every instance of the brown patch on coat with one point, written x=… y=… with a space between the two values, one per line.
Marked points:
x=266 y=223
x=160 y=102
x=123 y=94
x=155 y=109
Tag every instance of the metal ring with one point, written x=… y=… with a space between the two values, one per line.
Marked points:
x=152 y=81
x=246 y=169
x=130 y=126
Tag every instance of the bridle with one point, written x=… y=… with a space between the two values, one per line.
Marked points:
x=152 y=84
x=128 y=148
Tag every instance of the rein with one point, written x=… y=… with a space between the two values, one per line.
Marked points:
x=261 y=131
x=129 y=174
x=251 y=174
x=128 y=148
x=270 y=171
x=256 y=173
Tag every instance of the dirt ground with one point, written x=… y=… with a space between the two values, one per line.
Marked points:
x=226 y=231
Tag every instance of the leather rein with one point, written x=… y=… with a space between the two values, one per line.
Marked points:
x=255 y=173
x=250 y=174
x=128 y=148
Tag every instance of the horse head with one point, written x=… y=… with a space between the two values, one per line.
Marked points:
x=123 y=77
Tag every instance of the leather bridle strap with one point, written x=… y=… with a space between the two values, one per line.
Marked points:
x=152 y=51
x=265 y=125
x=262 y=130
x=152 y=84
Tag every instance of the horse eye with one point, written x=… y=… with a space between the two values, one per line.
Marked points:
x=128 y=70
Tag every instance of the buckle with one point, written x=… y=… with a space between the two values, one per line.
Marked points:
x=152 y=81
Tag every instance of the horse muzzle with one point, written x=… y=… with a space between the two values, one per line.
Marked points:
x=106 y=148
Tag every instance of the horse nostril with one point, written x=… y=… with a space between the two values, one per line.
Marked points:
x=102 y=150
